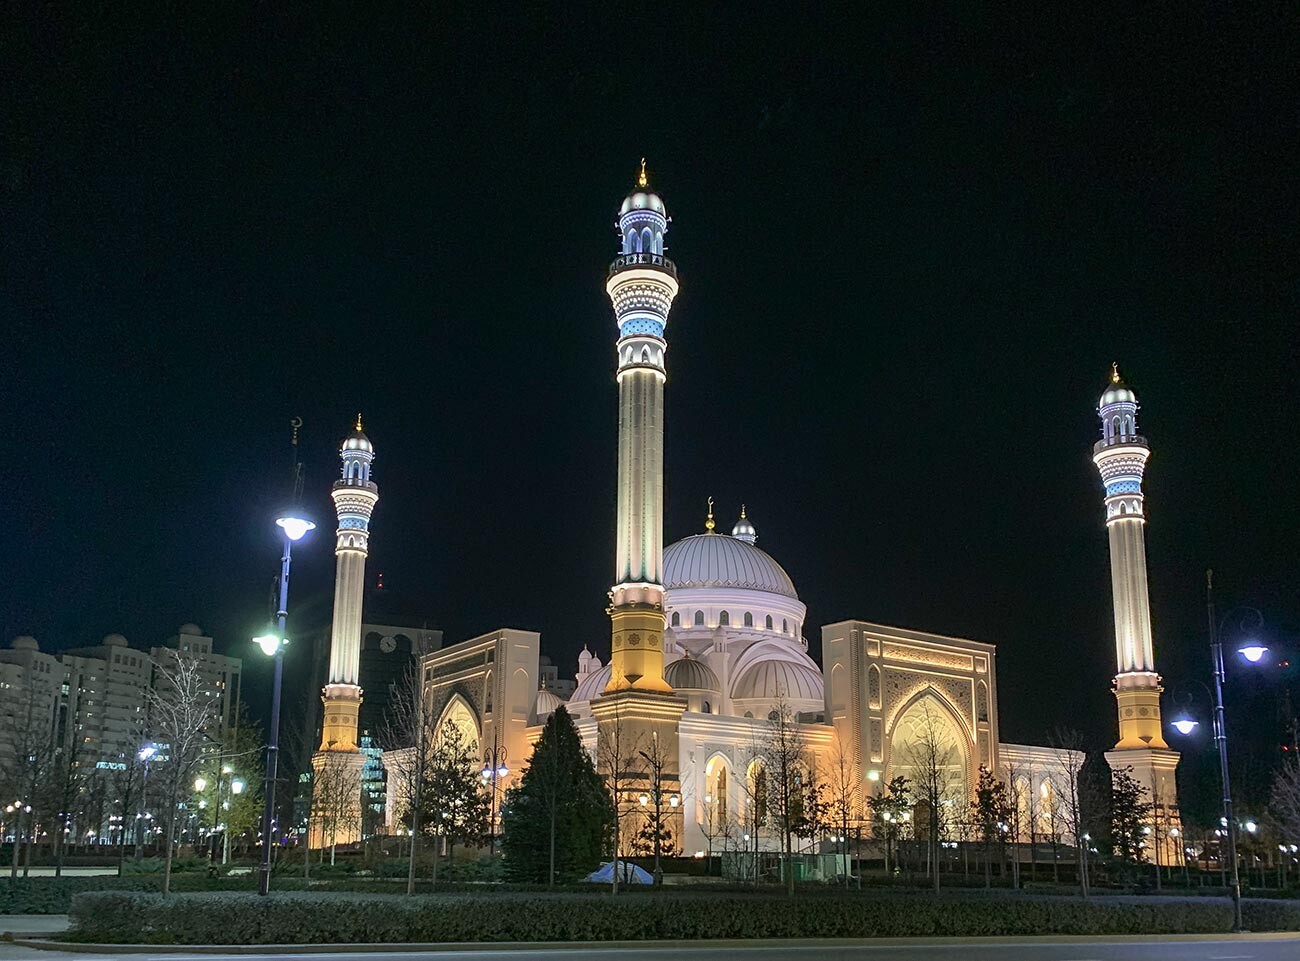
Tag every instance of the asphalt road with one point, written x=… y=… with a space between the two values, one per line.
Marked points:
x=1261 y=948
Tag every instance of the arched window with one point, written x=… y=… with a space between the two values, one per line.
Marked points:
x=647 y=240
x=749 y=619
x=758 y=777
x=1114 y=425
x=774 y=715
x=769 y=622
x=645 y=355
x=785 y=626
x=699 y=618
x=677 y=618
x=724 y=619
x=659 y=242
x=627 y=242
x=708 y=708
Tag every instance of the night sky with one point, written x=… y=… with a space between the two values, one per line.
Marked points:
x=909 y=247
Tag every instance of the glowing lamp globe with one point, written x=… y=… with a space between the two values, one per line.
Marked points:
x=236 y=786
x=1253 y=652
x=295 y=526
x=269 y=643
x=200 y=783
x=1185 y=725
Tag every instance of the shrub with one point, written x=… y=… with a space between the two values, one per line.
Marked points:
x=123 y=916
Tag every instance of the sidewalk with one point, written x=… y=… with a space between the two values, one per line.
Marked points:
x=33 y=925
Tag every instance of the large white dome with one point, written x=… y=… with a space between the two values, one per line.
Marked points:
x=718 y=560
x=772 y=679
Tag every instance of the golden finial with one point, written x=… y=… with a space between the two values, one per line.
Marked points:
x=358 y=421
x=1114 y=372
x=708 y=524
x=295 y=423
x=742 y=512
x=642 y=180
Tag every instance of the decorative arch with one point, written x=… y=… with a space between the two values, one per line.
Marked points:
x=460 y=712
x=749 y=619
x=873 y=687
x=930 y=720
x=724 y=619
x=699 y=618
x=677 y=618
x=768 y=622
x=929 y=690
x=717 y=790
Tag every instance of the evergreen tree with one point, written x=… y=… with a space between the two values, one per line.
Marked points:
x=991 y=812
x=456 y=807
x=1130 y=814
x=557 y=818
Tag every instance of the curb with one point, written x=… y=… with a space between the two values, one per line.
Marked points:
x=75 y=947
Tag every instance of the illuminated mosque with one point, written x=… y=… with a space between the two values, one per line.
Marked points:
x=708 y=640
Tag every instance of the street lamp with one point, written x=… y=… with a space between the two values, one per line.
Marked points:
x=494 y=768
x=295 y=526
x=1252 y=652
x=1185 y=725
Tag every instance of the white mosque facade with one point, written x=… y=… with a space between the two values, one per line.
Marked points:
x=709 y=637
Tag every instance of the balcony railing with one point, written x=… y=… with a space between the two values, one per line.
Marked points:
x=629 y=261
x=1120 y=440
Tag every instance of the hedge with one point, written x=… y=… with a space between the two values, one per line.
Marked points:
x=316 y=918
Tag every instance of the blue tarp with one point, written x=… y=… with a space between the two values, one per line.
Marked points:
x=628 y=873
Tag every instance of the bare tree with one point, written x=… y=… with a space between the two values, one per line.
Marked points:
x=1285 y=797
x=1033 y=821
x=617 y=750
x=181 y=709
x=656 y=834
x=786 y=766
x=1069 y=748
x=335 y=795
x=755 y=787
x=27 y=742
x=407 y=737
x=932 y=756
x=845 y=798
x=1017 y=801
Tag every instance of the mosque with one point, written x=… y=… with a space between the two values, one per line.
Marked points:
x=708 y=635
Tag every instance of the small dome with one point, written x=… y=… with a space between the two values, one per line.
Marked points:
x=688 y=674
x=192 y=630
x=591 y=685
x=546 y=703
x=357 y=440
x=114 y=640
x=716 y=560
x=771 y=679
x=25 y=643
x=744 y=530
x=643 y=200
x=1117 y=392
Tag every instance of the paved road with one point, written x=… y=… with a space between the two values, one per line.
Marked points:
x=1048 y=949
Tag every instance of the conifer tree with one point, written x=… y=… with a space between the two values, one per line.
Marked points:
x=557 y=819
x=1130 y=814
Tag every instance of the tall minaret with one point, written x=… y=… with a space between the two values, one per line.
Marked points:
x=355 y=496
x=642 y=284
x=1121 y=457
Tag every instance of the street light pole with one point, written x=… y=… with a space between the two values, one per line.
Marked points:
x=273 y=742
x=1221 y=739
x=494 y=766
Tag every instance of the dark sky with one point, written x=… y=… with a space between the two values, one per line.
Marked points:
x=910 y=248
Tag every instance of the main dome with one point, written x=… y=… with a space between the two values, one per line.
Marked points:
x=718 y=560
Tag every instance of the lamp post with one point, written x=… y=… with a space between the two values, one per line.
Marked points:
x=145 y=754
x=295 y=526
x=494 y=767
x=1252 y=652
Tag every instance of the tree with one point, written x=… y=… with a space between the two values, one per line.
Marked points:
x=844 y=796
x=334 y=797
x=1018 y=794
x=990 y=811
x=1285 y=797
x=1130 y=813
x=655 y=836
x=63 y=795
x=455 y=805
x=786 y=770
x=932 y=757
x=815 y=807
x=1070 y=756
x=616 y=752
x=408 y=740
x=27 y=746
x=181 y=709
x=556 y=818
x=888 y=812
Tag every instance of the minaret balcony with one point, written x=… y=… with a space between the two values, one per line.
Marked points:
x=1120 y=440
x=631 y=261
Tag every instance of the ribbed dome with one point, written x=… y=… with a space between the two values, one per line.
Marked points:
x=547 y=702
x=716 y=560
x=591 y=685
x=1117 y=394
x=357 y=441
x=643 y=200
x=688 y=674
x=775 y=678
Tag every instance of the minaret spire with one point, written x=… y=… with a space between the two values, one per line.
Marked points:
x=355 y=496
x=641 y=285
x=1121 y=456
x=708 y=521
